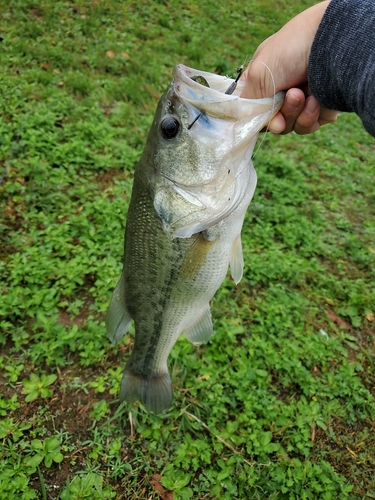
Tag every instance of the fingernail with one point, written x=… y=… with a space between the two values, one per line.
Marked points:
x=276 y=127
x=292 y=102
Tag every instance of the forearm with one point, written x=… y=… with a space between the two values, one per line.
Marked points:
x=341 y=71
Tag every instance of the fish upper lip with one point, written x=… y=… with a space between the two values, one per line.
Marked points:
x=183 y=73
x=213 y=101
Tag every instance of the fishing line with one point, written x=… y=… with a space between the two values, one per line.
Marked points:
x=273 y=105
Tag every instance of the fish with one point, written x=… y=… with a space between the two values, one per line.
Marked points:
x=192 y=186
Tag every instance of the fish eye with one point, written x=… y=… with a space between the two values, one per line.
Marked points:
x=170 y=127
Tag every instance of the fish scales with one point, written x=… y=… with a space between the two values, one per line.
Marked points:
x=191 y=189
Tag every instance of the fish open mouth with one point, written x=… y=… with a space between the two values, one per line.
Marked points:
x=217 y=83
x=220 y=129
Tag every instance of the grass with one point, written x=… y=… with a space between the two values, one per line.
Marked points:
x=280 y=403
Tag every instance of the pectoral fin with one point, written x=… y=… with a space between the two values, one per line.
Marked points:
x=117 y=319
x=202 y=330
x=236 y=260
x=196 y=255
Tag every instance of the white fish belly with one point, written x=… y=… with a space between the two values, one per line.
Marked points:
x=196 y=287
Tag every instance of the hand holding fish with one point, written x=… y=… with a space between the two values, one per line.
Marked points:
x=280 y=63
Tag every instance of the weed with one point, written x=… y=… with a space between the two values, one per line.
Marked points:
x=47 y=451
x=38 y=386
x=88 y=486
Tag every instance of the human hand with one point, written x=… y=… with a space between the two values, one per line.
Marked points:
x=280 y=63
x=300 y=113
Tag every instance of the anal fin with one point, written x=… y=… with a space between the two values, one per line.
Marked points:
x=236 y=260
x=202 y=330
x=117 y=319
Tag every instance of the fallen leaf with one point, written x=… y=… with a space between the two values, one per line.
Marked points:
x=159 y=488
x=125 y=55
x=370 y=317
x=156 y=484
x=336 y=319
x=351 y=452
x=45 y=66
x=110 y=54
x=60 y=84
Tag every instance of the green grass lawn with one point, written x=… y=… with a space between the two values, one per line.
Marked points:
x=281 y=402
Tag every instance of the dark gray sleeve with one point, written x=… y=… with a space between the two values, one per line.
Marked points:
x=342 y=59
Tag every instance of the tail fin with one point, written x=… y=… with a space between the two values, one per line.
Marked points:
x=155 y=392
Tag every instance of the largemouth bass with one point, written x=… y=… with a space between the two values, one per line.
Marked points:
x=191 y=189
